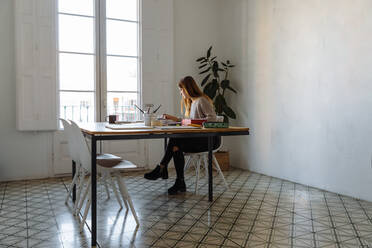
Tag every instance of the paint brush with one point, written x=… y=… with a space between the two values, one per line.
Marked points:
x=139 y=109
x=156 y=109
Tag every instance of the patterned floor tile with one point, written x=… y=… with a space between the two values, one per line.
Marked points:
x=256 y=211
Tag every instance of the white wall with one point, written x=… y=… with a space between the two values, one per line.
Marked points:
x=306 y=92
x=22 y=155
x=196 y=28
x=304 y=81
x=157 y=64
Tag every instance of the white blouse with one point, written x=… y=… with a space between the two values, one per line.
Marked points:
x=201 y=108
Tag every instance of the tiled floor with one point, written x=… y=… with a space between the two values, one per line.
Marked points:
x=257 y=211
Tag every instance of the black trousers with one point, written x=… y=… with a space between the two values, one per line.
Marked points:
x=188 y=145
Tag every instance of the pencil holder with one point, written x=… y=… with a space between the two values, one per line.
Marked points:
x=148 y=118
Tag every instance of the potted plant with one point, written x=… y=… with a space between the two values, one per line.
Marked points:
x=215 y=86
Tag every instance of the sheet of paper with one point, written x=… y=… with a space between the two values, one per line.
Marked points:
x=132 y=126
x=128 y=126
x=177 y=127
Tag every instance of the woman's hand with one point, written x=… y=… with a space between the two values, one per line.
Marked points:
x=170 y=117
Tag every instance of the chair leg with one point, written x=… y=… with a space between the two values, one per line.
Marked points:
x=113 y=186
x=87 y=206
x=87 y=190
x=79 y=190
x=197 y=173
x=71 y=186
x=123 y=196
x=104 y=176
x=205 y=160
x=124 y=191
x=187 y=164
x=217 y=165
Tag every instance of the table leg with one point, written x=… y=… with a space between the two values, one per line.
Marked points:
x=73 y=175
x=94 y=191
x=210 y=172
x=165 y=144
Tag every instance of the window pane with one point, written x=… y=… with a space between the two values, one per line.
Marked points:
x=122 y=9
x=76 y=72
x=76 y=34
x=122 y=104
x=121 y=74
x=121 y=38
x=77 y=106
x=80 y=7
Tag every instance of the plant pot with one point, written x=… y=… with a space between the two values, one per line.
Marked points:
x=223 y=159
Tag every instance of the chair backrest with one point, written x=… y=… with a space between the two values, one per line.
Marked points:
x=71 y=141
x=81 y=147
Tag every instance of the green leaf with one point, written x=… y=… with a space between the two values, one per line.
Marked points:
x=219 y=102
x=229 y=112
x=231 y=66
x=229 y=87
x=213 y=58
x=205 y=79
x=225 y=84
x=200 y=59
x=225 y=118
x=223 y=64
x=228 y=62
x=207 y=70
x=202 y=66
x=219 y=69
x=209 y=52
x=211 y=88
x=215 y=69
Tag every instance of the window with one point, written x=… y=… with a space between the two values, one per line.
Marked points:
x=99 y=65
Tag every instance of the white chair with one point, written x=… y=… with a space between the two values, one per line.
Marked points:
x=196 y=159
x=80 y=174
x=75 y=157
x=105 y=165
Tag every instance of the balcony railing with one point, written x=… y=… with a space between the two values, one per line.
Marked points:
x=85 y=113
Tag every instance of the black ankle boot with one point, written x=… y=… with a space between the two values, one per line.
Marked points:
x=179 y=186
x=156 y=173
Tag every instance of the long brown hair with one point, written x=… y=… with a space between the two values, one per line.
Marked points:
x=193 y=91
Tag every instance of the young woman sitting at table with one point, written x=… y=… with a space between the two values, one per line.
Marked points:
x=197 y=105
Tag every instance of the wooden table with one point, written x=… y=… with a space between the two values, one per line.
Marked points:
x=97 y=131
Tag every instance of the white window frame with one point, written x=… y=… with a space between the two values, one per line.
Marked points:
x=100 y=90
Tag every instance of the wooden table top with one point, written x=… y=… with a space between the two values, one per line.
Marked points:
x=99 y=128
